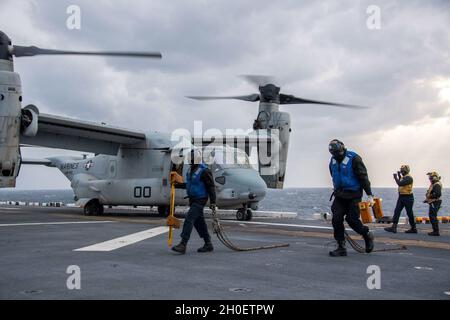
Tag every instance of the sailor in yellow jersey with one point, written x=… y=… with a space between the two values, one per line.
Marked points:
x=433 y=198
x=405 y=199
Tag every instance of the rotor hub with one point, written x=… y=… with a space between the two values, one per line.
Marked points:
x=5 y=43
x=269 y=93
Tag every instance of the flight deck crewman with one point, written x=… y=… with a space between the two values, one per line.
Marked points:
x=405 y=199
x=433 y=198
x=349 y=180
x=199 y=187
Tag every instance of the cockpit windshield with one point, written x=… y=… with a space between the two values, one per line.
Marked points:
x=226 y=157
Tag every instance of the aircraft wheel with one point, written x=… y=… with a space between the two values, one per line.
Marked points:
x=248 y=215
x=93 y=208
x=163 y=211
x=241 y=215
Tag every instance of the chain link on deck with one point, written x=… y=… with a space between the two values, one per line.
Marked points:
x=218 y=230
x=358 y=248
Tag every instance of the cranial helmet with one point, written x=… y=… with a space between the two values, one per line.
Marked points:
x=404 y=169
x=434 y=176
x=336 y=148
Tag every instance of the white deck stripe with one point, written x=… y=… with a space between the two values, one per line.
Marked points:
x=126 y=240
x=50 y=223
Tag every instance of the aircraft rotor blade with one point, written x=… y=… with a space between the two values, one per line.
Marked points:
x=259 y=80
x=250 y=97
x=24 y=51
x=290 y=99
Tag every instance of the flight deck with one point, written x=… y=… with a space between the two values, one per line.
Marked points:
x=124 y=254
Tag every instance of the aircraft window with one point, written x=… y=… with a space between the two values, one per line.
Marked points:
x=220 y=180
x=229 y=158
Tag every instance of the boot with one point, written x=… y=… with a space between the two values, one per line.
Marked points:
x=435 y=232
x=368 y=239
x=412 y=230
x=180 y=248
x=207 y=247
x=340 y=251
x=392 y=228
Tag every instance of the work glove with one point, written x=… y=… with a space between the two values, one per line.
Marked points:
x=175 y=178
x=370 y=200
x=213 y=206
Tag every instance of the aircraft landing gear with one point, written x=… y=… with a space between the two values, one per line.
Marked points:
x=244 y=214
x=93 y=208
x=249 y=214
x=163 y=211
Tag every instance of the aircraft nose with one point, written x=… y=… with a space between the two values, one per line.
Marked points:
x=257 y=189
x=247 y=183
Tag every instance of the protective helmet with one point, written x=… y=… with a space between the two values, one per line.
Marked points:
x=404 y=169
x=434 y=176
x=336 y=148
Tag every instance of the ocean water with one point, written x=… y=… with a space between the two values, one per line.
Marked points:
x=307 y=201
x=304 y=201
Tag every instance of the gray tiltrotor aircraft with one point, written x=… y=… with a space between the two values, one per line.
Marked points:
x=132 y=167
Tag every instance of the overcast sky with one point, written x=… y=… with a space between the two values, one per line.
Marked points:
x=318 y=50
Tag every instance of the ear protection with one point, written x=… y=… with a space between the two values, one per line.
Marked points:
x=405 y=168
x=336 y=146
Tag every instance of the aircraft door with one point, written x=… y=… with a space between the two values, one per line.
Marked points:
x=165 y=183
x=180 y=193
x=181 y=170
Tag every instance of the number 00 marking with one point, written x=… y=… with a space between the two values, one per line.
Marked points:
x=146 y=194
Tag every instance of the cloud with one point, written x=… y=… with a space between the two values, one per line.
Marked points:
x=418 y=144
x=316 y=50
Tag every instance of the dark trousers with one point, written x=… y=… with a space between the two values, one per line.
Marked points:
x=195 y=219
x=405 y=201
x=433 y=211
x=346 y=209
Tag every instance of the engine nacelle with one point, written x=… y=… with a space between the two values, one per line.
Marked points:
x=10 y=116
x=29 y=123
x=278 y=125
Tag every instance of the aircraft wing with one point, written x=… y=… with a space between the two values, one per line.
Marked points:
x=72 y=134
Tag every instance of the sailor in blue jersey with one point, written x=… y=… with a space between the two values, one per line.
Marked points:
x=200 y=186
x=350 y=178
